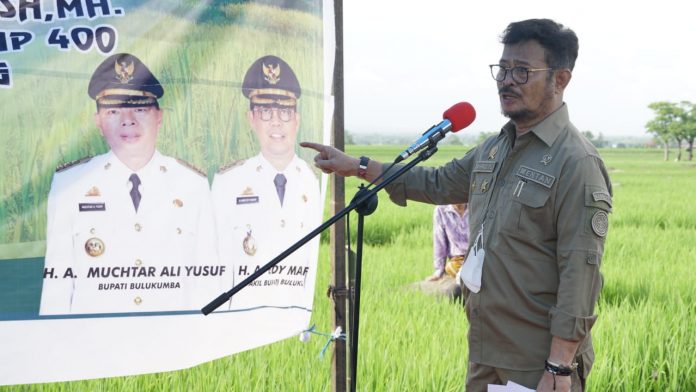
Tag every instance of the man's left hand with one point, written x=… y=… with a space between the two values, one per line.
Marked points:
x=546 y=383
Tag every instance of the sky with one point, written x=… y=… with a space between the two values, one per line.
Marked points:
x=406 y=62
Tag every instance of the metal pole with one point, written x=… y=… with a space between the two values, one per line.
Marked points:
x=355 y=320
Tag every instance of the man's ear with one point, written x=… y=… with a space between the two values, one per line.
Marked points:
x=160 y=115
x=563 y=77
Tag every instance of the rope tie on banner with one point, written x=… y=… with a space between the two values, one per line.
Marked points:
x=336 y=335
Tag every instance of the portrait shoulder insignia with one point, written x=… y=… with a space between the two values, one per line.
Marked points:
x=68 y=165
x=231 y=166
x=192 y=167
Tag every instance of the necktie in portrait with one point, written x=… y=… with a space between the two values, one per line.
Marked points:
x=280 y=182
x=135 y=191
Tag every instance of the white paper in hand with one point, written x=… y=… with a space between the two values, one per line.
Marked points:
x=509 y=387
x=470 y=272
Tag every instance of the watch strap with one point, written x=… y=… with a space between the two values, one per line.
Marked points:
x=560 y=370
x=362 y=166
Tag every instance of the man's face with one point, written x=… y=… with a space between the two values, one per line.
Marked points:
x=529 y=103
x=130 y=132
x=276 y=130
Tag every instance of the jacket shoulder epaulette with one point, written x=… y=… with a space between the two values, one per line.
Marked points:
x=192 y=167
x=231 y=166
x=68 y=165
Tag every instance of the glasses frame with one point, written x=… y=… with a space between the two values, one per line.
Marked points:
x=512 y=72
x=260 y=110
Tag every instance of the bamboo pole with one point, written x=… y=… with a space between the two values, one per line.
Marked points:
x=338 y=291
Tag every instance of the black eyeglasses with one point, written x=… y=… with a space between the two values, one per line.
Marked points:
x=519 y=73
x=266 y=113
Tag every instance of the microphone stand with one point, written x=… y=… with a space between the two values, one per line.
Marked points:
x=355 y=276
x=365 y=202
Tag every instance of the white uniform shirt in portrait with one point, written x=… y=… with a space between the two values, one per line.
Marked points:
x=254 y=228
x=104 y=257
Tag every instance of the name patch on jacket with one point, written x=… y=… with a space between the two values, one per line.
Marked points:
x=92 y=207
x=602 y=196
x=540 y=178
x=247 y=200
x=485 y=166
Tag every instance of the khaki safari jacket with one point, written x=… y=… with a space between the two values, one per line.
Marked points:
x=543 y=201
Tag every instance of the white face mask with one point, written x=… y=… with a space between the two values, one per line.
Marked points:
x=470 y=272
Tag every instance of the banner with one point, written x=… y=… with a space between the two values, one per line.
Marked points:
x=150 y=163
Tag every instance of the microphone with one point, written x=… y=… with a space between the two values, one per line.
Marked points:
x=456 y=118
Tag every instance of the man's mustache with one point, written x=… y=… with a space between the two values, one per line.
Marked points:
x=507 y=90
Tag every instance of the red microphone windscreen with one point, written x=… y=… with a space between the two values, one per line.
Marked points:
x=461 y=115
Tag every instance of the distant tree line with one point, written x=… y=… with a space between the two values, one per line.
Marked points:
x=674 y=122
x=472 y=139
x=598 y=141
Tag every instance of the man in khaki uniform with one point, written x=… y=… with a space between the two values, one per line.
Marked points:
x=540 y=197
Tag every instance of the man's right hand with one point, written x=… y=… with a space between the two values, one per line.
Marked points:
x=331 y=160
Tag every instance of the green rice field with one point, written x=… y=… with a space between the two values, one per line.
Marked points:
x=645 y=337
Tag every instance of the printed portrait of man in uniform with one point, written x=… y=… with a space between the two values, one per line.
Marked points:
x=127 y=230
x=267 y=202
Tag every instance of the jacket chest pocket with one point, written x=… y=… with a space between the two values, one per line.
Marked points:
x=531 y=211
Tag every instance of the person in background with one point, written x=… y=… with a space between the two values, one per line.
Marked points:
x=450 y=240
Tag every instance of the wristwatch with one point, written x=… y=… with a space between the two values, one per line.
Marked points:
x=362 y=167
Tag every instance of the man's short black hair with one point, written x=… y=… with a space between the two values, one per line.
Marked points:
x=559 y=42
